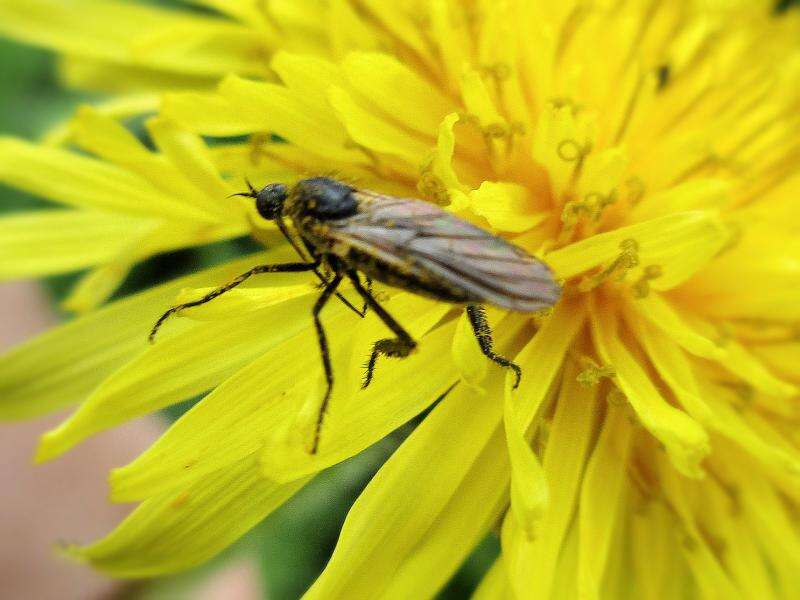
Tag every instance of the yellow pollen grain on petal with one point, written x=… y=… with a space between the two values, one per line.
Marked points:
x=685 y=440
x=507 y=206
x=680 y=244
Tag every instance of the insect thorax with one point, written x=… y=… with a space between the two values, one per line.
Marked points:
x=323 y=199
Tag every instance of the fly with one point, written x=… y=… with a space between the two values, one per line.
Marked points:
x=404 y=243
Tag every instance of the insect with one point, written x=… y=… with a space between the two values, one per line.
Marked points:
x=404 y=243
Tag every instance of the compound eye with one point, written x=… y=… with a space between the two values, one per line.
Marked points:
x=270 y=200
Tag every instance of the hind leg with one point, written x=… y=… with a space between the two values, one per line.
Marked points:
x=483 y=333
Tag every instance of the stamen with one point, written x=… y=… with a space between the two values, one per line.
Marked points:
x=432 y=188
x=500 y=72
x=593 y=373
x=637 y=190
x=641 y=289
x=627 y=260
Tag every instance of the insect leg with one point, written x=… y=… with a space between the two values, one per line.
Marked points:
x=322 y=278
x=483 y=333
x=326 y=357
x=399 y=347
x=284 y=268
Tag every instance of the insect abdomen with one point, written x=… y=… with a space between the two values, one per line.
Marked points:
x=406 y=277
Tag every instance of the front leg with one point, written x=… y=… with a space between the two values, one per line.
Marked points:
x=259 y=270
x=398 y=347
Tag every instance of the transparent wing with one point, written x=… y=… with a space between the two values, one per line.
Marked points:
x=421 y=236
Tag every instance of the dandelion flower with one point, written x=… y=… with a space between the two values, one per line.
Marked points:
x=649 y=153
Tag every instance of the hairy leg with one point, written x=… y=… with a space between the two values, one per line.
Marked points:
x=483 y=333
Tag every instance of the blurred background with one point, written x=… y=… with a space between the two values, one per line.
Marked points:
x=66 y=500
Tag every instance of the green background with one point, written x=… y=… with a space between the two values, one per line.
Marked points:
x=292 y=545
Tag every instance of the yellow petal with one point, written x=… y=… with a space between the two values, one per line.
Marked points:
x=657 y=562
x=479 y=101
x=99 y=284
x=494 y=585
x=710 y=576
x=178 y=368
x=451 y=31
x=658 y=310
x=385 y=525
x=120 y=107
x=85 y=182
x=110 y=77
x=680 y=244
x=191 y=157
x=208 y=437
x=178 y=530
x=401 y=21
x=467 y=356
x=374 y=132
x=532 y=564
x=377 y=77
x=715 y=194
x=507 y=206
x=601 y=501
x=58 y=241
x=64 y=365
x=602 y=173
x=471 y=512
x=541 y=361
x=127 y=33
x=278 y=110
x=561 y=141
x=685 y=440
x=240 y=301
x=207 y=114
x=358 y=418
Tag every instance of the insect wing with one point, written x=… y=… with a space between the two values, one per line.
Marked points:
x=418 y=235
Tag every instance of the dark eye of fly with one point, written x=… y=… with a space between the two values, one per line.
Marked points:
x=344 y=234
